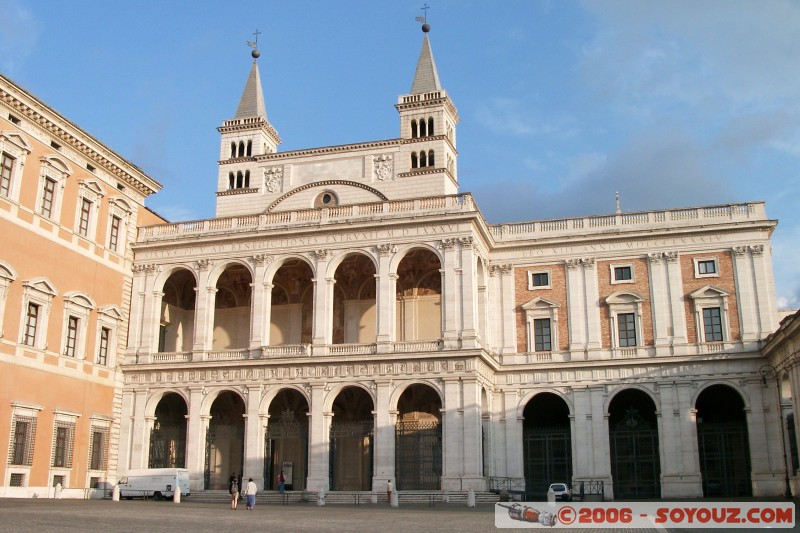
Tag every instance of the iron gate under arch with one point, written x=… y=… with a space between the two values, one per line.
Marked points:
x=221 y=433
x=418 y=455
x=635 y=463
x=286 y=438
x=168 y=446
x=346 y=457
x=547 y=457
x=724 y=458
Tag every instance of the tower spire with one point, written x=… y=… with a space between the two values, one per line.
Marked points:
x=426 y=78
x=251 y=104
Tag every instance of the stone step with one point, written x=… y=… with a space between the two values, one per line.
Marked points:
x=349 y=497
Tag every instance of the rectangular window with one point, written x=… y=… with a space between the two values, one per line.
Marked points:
x=113 y=238
x=626 y=324
x=48 y=194
x=60 y=450
x=6 y=166
x=102 y=352
x=72 y=336
x=17 y=480
x=58 y=479
x=540 y=279
x=86 y=211
x=623 y=273
x=97 y=453
x=541 y=334
x=21 y=452
x=712 y=323
x=707 y=267
x=31 y=320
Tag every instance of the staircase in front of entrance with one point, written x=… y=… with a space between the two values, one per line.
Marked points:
x=408 y=497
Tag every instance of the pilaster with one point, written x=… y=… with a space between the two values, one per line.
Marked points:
x=253 y=438
x=469 y=294
x=319 y=424
x=196 y=438
x=386 y=282
x=472 y=424
x=450 y=295
x=453 y=446
x=385 y=422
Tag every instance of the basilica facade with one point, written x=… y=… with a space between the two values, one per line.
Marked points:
x=350 y=318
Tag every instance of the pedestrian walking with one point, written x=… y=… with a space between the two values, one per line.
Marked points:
x=251 y=494
x=281 y=482
x=233 y=488
x=389 y=489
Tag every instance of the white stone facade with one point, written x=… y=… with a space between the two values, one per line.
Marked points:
x=450 y=324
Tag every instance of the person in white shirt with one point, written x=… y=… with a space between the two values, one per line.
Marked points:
x=251 y=494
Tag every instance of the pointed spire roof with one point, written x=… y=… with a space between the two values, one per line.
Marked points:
x=426 y=79
x=252 y=102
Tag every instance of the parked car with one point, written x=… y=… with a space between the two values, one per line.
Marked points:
x=562 y=491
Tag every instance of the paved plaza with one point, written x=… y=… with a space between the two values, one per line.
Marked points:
x=45 y=515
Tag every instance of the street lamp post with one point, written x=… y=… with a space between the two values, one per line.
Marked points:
x=769 y=371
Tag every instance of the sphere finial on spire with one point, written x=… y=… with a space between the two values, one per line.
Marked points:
x=426 y=28
x=254 y=45
x=424 y=19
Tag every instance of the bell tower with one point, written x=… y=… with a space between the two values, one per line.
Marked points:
x=428 y=122
x=244 y=137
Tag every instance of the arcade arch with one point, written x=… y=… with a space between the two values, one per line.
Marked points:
x=224 y=440
x=418 y=439
x=292 y=301
x=546 y=443
x=286 y=441
x=351 y=440
x=419 y=296
x=168 y=436
x=232 y=309
x=176 y=322
x=354 y=301
x=634 y=445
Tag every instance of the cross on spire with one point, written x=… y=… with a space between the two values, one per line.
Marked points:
x=424 y=19
x=254 y=44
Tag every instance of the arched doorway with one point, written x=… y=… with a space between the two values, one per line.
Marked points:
x=224 y=440
x=546 y=443
x=633 y=442
x=168 y=436
x=354 y=304
x=176 y=324
x=418 y=439
x=419 y=296
x=351 y=440
x=722 y=442
x=232 y=309
x=286 y=441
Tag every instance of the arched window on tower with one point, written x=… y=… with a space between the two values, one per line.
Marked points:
x=423 y=159
x=249 y=148
x=422 y=130
x=247 y=178
x=239 y=179
x=430 y=158
x=241 y=149
x=430 y=126
x=233 y=150
x=231 y=180
x=414 y=132
x=414 y=163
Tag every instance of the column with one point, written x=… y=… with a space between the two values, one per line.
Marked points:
x=581 y=430
x=591 y=304
x=319 y=424
x=764 y=432
x=472 y=423
x=513 y=436
x=323 y=304
x=139 y=429
x=745 y=296
x=385 y=421
x=601 y=453
x=576 y=308
x=452 y=443
x=385 y=289
x=469 y=294
x=204 y=309
x=764 y=290
x=196 y=438
x=659 y=299
x=136 y=319
x=679 y=467
x=126 y=427
x=259 y=329
x=266 y=317
x=150 y=318
x=508 y=309
x=450 y=295
x=676 y=298
x=253 y=438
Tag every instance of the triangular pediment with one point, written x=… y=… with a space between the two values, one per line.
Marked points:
x=540 y=303
x=92 y=186
x=111 y=311
x=42 y=285
x=709 y=291
x=16 y=139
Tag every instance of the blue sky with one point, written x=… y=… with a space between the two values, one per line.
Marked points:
x=562 y=103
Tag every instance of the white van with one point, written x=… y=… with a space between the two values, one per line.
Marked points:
x=156 y=483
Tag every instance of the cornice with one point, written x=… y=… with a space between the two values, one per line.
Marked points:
x=328 y=150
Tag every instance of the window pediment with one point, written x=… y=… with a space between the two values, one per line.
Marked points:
x=624 y=297
x=42 y=285
x=540 y=303
x=7 y=272
x=91 y=188
x=16 y=139
x=709 y=291
x=79 y=299
x=56 y=163
x=111 y=312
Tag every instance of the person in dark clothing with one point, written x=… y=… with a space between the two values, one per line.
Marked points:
x=233 y=488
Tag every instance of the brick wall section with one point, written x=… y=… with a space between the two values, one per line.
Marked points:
x=640 y=286
x=557 y=293
x=725 y=281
